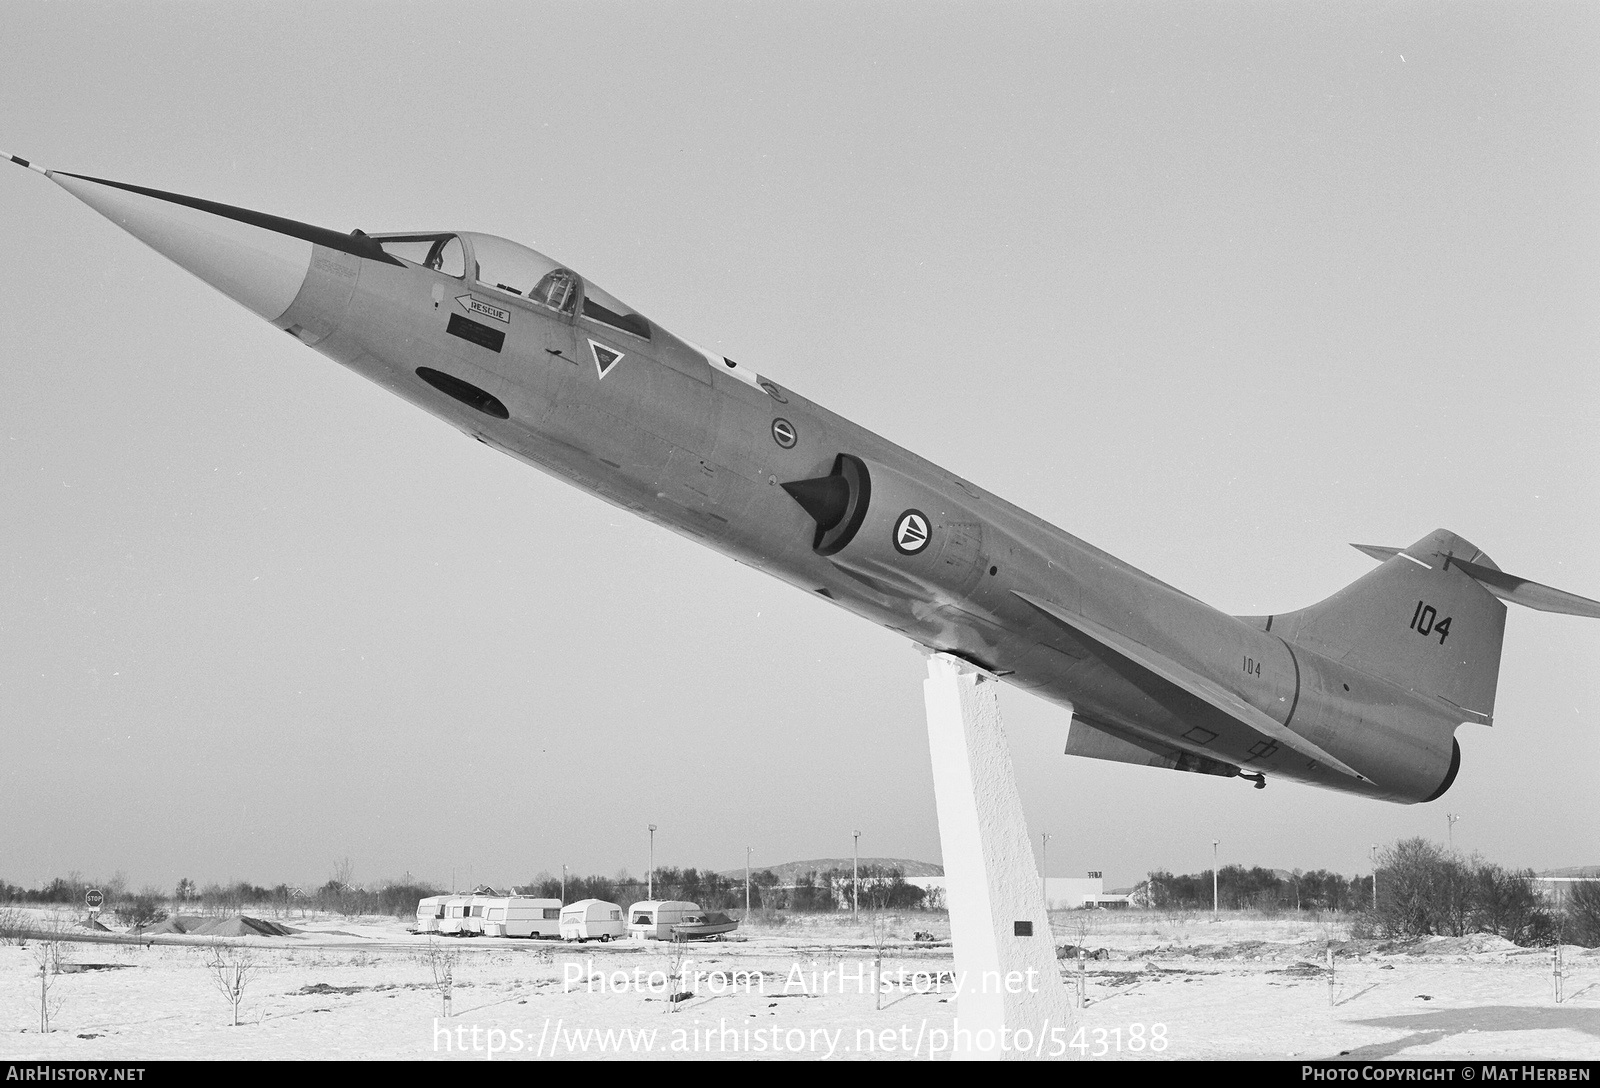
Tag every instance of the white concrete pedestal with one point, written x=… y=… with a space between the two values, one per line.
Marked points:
x=1012 y=1002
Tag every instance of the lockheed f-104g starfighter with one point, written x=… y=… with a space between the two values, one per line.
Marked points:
x=1361 y=693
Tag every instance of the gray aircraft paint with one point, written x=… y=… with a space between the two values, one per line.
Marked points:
x=1346 y=694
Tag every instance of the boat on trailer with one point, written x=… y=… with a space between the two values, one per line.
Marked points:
x=701 y=927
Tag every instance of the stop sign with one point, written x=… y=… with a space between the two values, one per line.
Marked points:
x=94 y=898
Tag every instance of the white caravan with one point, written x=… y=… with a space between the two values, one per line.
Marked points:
x=592 y=920
x=430 y=912
x=520 y=916
x=459 y=919
x=654 y=918
x=472 y=922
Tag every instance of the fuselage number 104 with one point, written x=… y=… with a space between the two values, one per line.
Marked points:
x=1425 y=621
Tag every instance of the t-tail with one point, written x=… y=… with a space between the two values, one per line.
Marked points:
x=1429 y=619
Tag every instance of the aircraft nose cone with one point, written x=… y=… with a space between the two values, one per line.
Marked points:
x=233 y=250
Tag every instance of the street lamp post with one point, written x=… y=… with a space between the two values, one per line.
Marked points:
x=855 y=875
x=563 y=884
x=1450 y=820
x=747 y=882
x=1044 y=881
x=650 y=874
x=1374 y=856
x=1214 y=843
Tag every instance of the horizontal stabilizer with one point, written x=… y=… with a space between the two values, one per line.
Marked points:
x=1201 y=688
x=1508 y=587
x=1381 y=554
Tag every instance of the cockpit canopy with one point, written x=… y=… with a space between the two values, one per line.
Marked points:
x=440 y=252
x=502 y=265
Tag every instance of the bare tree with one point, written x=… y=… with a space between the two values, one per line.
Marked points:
x=143 y=909
x=49 y=953
x=50 y=997
x=116 y=887
x=443 y=962
x=1582 y=914
x=232 y=969
x=677 y=975
x=13 y=925
x=339 y=892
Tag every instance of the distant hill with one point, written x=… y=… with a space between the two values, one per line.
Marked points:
x=1582 y=872
x=790 y=870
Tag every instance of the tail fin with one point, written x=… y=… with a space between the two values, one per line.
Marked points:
x=1422 y=620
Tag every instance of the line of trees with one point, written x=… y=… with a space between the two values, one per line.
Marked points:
x=879 y=888
x=339 y=895
x=1268 y=890
x=827 y=890
x=1423 y=890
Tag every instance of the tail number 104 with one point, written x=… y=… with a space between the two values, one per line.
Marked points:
x=1425 y=621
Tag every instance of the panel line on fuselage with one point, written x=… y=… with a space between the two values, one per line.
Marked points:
x=1295 y=702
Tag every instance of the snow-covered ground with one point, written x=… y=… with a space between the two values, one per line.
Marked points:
x=1169 y=986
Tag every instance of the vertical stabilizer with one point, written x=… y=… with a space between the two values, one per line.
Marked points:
x=1417 y=620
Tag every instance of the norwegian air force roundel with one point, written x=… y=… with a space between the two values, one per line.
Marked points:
x=911 y=533
x=604 y=358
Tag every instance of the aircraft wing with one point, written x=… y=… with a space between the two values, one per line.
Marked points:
x=1207 y=691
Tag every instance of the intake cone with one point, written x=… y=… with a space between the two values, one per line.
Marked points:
x=825 y=498
x=837 y=502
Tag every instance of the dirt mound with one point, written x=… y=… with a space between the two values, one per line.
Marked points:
x=241 y=926
x=175 y=923
x=1237 y=950
x=1074 y=952
x=90 y=923
x=1303 y=969
x=1470 y=945
x=238 y=925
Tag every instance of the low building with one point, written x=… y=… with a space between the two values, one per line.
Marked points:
x=1556 y=884
x=1079 y=892
x=1060 y=892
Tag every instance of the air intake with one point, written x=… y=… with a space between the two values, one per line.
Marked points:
x=837 y=502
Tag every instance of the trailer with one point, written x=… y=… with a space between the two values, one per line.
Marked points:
x=592 y=920
x=653 y=919
x=430 y=912
x=458 y=919
x=520 y=916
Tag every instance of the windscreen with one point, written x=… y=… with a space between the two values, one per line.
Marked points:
x=440 y=252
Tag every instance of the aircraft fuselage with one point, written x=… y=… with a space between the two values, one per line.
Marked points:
x=666 y=434
x=1360 y=693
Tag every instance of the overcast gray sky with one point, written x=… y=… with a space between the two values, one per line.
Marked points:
x=1218 y=288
